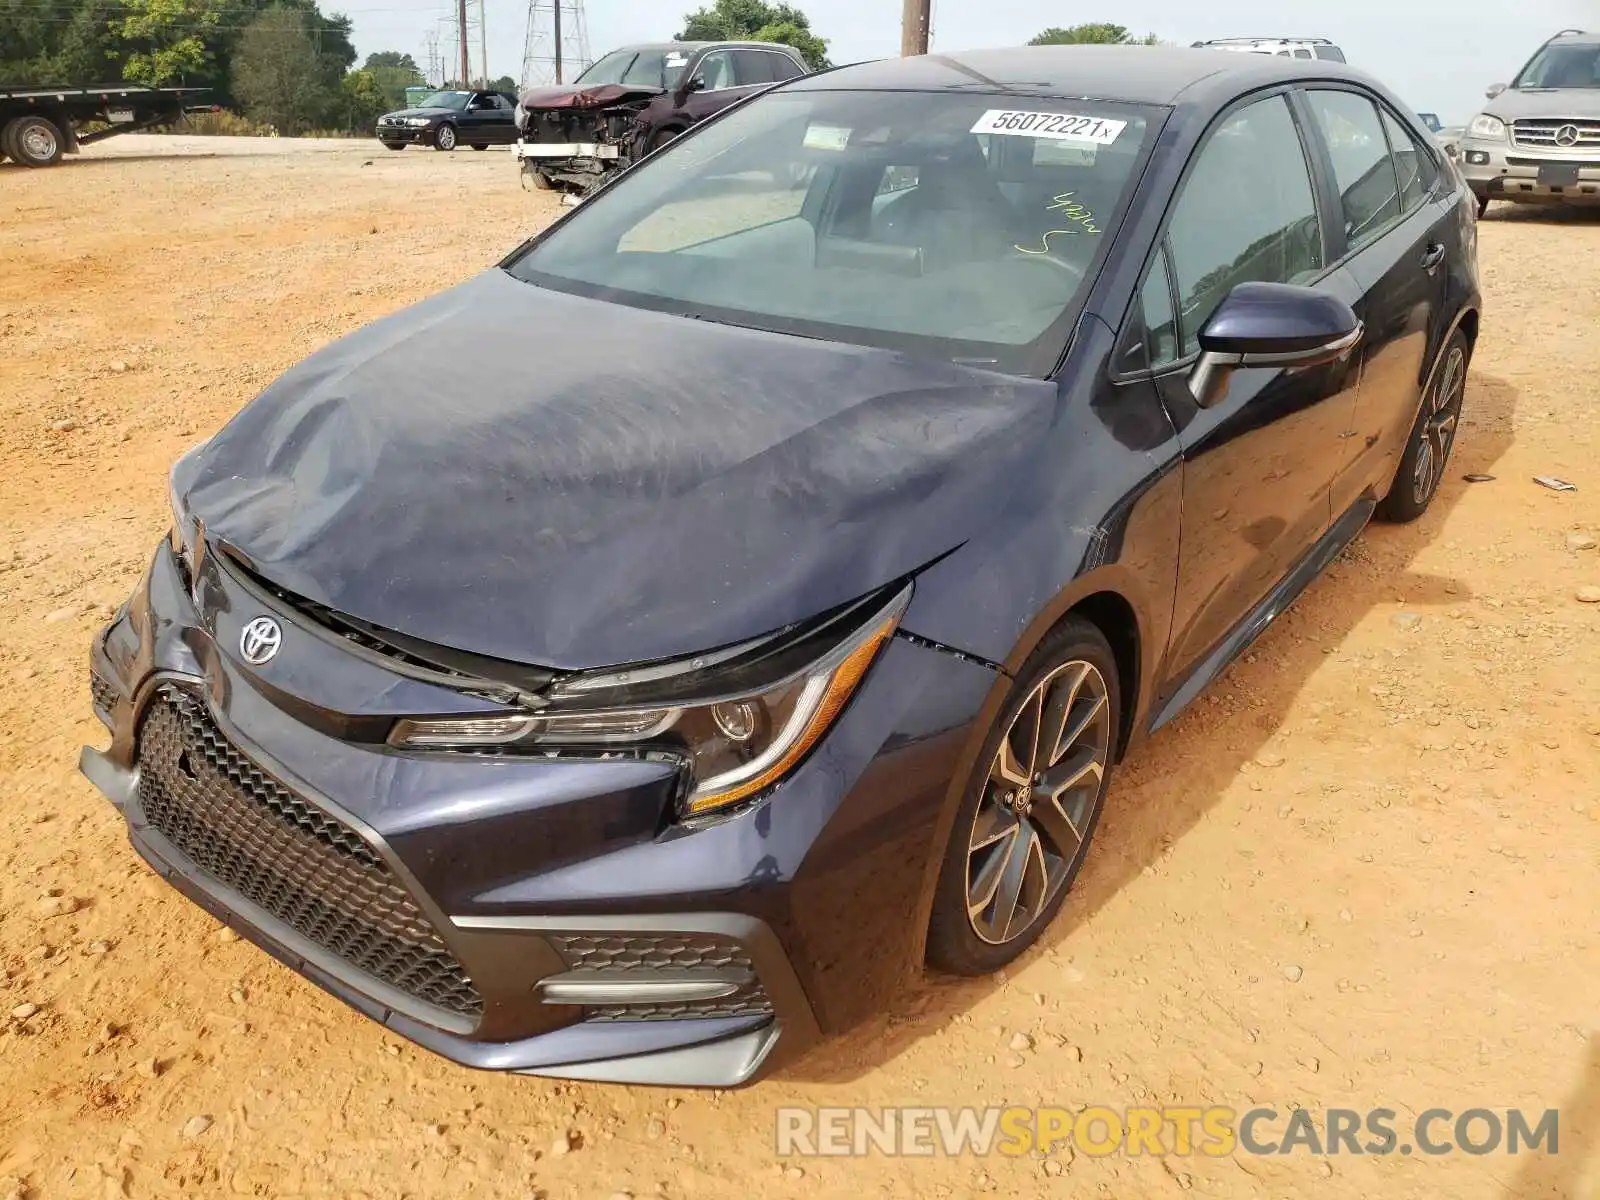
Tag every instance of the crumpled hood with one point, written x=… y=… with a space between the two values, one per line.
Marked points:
x=602 y=95
x=1547 y=105
x=534 y=476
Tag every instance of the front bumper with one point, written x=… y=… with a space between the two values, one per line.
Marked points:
x=411 y=135
x=1497 y=170
x=590 y=938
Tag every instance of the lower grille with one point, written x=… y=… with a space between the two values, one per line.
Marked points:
x=103 y=692
x=251 y=834
x=639 y=955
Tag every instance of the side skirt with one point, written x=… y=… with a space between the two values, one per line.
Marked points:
x=1339 y=535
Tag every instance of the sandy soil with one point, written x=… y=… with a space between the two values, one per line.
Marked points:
x=1361 y=872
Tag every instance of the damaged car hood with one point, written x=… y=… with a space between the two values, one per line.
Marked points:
x=521 y=473
x=601 y=95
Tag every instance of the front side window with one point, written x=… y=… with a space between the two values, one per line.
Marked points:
x=716 y=69
x=875 y=218
x=1160 y=321
x=1247 y=214
x=1558 y=66
x=1369 y=189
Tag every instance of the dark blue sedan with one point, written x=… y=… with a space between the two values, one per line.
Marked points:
x=640 y=660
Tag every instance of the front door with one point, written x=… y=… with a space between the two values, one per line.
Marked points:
x=1258 y=464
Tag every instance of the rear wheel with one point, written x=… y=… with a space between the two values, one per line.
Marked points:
x=6 y=130
x=1023 y=828
x=34 y=141
x=1432 y=437
x=444 y=138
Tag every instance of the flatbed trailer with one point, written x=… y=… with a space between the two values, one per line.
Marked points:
x=40 y=123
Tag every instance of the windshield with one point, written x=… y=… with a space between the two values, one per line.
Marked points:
x=455 y=100
x=641 y=68
x=956 y=226
x=1562 y=67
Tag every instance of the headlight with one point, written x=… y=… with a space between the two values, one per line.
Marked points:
x=416 y=122
x=181 y=536
x=1485 y=126
x=737 y=745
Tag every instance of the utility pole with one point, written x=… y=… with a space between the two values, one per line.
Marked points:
x=461 y=24
x=483 y=40
x=557 y=14
x=915 y=17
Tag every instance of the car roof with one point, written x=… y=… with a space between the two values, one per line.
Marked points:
x=1136 y=74
x=1579 y=36
x=694 y=46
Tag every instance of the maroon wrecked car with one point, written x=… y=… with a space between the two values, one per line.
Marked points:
x=636 y=99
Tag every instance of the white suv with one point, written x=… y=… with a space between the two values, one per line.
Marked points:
x=1283 y=47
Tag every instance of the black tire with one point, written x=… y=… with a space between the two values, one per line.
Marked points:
x=1483 y=206
x=394 y=145
x=1074 y=674
x=34 y=141
x=660 y=139
x=479 y=146
x=444 y=137
x=1433 y=436
x=5 y=138
x=541 y=181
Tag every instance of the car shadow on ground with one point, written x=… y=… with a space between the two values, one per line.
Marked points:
x=1557 y=1173
x=1546 y=214
x=1171 y=781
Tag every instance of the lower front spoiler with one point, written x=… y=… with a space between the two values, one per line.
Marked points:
x=542 y=150
x=721 y=1052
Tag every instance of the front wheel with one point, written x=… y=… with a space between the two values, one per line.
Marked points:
x=1427 y=451
x=479 y=146
x=395 y=145
x=1023 y=828
x=444 y=138
x=34 y=142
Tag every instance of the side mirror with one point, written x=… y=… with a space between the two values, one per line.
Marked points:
x=1270 y=325
x=695 y=83
x=1494 y=90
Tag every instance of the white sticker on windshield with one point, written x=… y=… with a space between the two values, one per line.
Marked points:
x=676 y=60
x=826 y=137
x=1062 y=126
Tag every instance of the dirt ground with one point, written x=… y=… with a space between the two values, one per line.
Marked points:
x=1361 y=872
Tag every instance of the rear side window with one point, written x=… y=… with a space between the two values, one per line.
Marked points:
x=753 y=66
x=1412 y=163
x=1247 y=214
x=783 y=67
x=1369 y=189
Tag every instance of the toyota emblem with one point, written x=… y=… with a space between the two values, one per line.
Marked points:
x=260 y=640
x=1567 y=135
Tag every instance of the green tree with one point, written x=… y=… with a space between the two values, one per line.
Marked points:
x=756 y=21
x=504 y=84
x=362 y=99
x=166 y=39
x=280 y=77
x=395 y=59
x=1095 y=33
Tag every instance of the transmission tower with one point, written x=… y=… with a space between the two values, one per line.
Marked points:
x=434 y=70
x=557 y=49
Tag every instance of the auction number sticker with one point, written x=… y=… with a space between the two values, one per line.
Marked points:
x=1062 y=126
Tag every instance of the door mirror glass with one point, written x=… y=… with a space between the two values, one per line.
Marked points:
x=1271 y=325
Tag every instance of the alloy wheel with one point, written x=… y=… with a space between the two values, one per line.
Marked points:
x=1031 y=825
x=446 y=139
x=1438 y=429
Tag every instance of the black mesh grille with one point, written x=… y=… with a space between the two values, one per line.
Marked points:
x=251 y=834
x=639 y=954
x=103 y=692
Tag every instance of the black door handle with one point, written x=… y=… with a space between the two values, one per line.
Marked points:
x=1433 y=257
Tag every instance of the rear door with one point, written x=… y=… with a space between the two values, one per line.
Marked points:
x=1259 y=463
x=1398 y=230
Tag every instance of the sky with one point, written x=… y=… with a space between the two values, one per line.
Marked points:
x=1438 y=55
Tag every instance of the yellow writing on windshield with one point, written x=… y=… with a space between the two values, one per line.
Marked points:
x=1071 y=211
